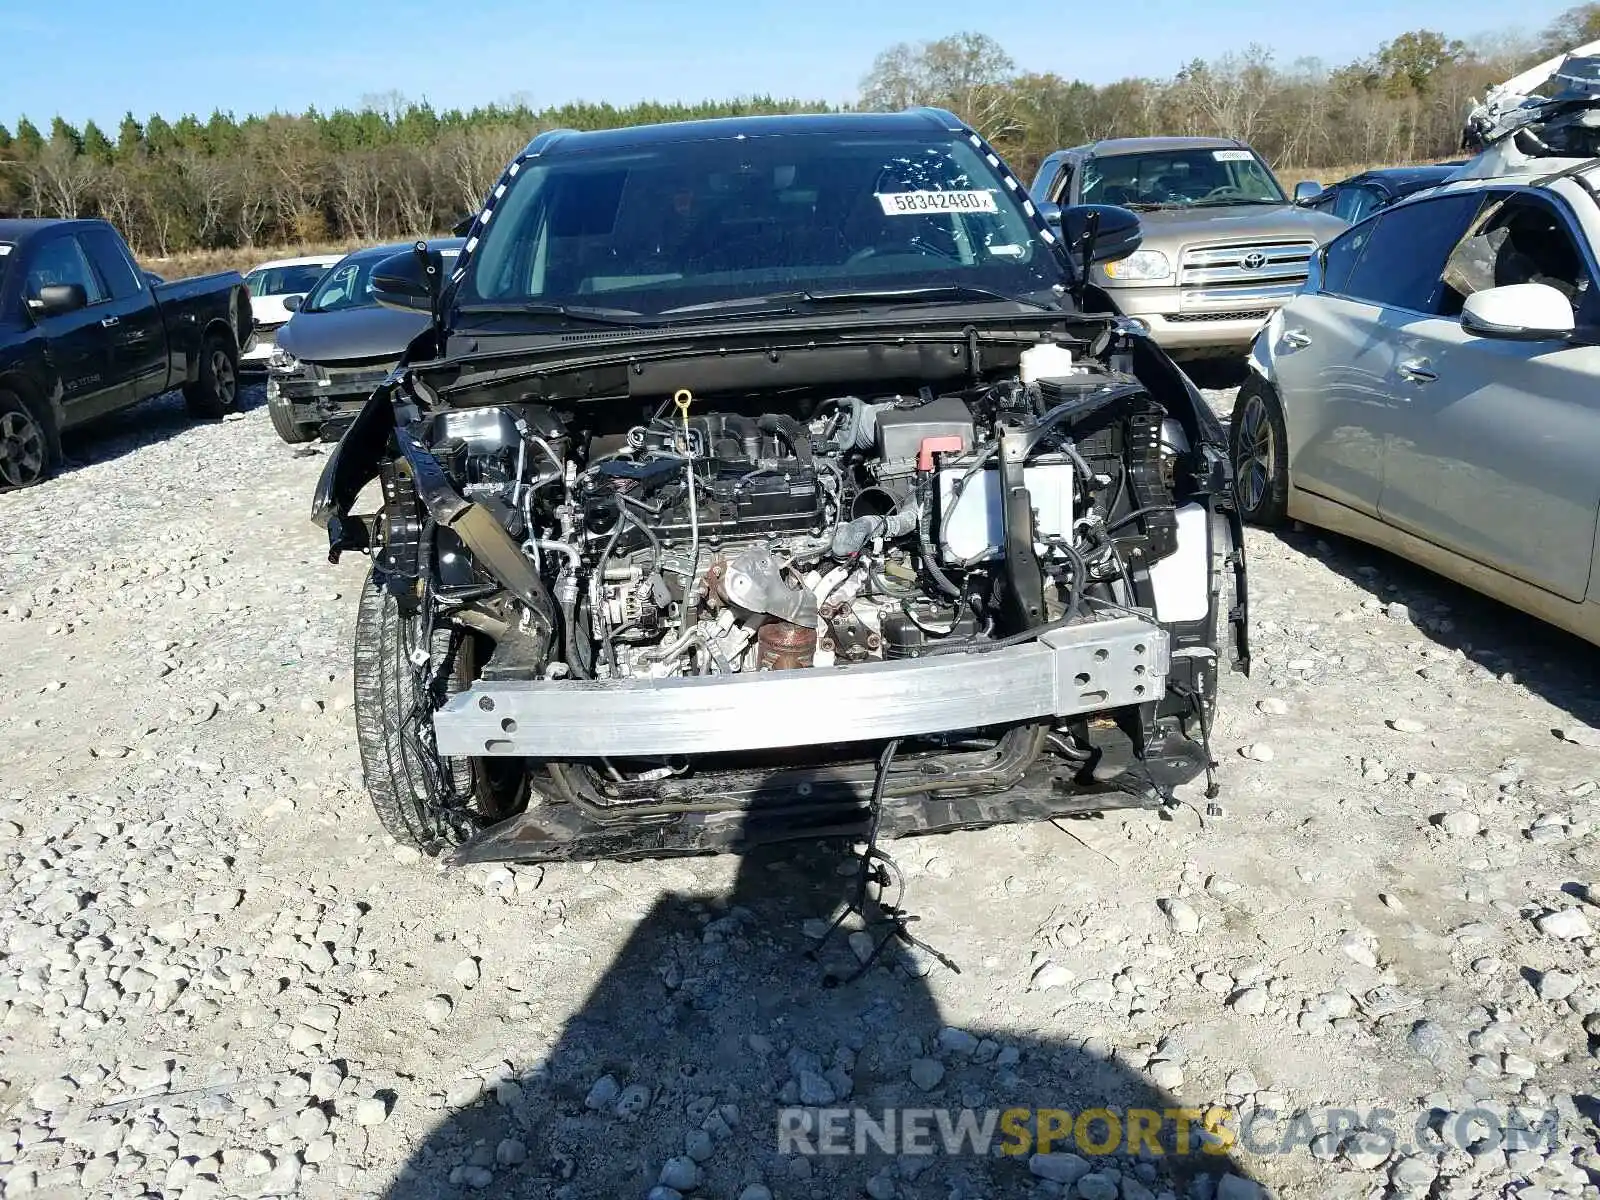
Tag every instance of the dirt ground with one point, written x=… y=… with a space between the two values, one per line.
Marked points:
x=218 y=978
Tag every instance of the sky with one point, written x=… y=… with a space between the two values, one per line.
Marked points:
x=96 y=59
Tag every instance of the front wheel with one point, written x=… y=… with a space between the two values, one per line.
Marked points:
x=281 y=409
x=1259 y=447
x=216 y=392
x=423 y=800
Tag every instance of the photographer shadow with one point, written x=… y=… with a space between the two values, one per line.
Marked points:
x=694 y=1056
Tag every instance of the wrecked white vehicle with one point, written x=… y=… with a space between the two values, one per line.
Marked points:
x=1550 y=111
x=765 y=479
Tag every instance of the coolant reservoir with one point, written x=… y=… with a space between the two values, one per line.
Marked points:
x=1048 y=361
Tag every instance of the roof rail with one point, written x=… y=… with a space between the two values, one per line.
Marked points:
x=945 y=118
x=541 y=141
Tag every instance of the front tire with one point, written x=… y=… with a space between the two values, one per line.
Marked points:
x=422 y=800
x=1259 y=446
x=215 y=393
x=30 y=452
x=281 y=410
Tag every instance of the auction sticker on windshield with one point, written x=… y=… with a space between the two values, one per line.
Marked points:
x=905 y=204
x=1233 y=156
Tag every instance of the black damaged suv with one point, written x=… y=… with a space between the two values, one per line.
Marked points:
x=770 y=478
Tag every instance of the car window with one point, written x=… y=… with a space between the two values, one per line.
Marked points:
x=1060 y=189
x=348 y=285
x=1520 y=239
x=1180 y=179
x=1325 y=200
x=1357 y=203
x=666 y=230
x=1044 y=177
x=284 y=281
x=1402 y=263
x=1340 y=255
x=112 y=262
x=61 y=261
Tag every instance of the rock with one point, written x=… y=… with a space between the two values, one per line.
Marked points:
x=1556 y=985
x=1181 y=915
x=1414 y=1173
x=1059 y=1167
x=604 y=1091
x=1272 y=706
x=1358 y=949
x=756 y=1191
x=957 y=1041
x=881 y=1185
x=1251 y=1002
x=1050 y=975
x=1431 y=1041
x=310 y=1124
x=1166 y=1074
x=697 y=1145
x=633 y=1101
x=1459 y=823
x=1234 y=1187
x=473 y=1176
x=1366 y=1151
x=326 y=1079
x=54 y=1094
x=466 y=973
x=927 y=1073
x=1094 y=991
x=510 y=1153
x=1097 y=1187
x=681 y=1173
x=815 y=1091
x=1407 y=725
x=1257 y=752
x=437 y=1009
x=374 y=1110
x=1566 y=923
x=862 y=944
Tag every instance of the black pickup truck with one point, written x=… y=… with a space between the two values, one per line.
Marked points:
x=84 y=332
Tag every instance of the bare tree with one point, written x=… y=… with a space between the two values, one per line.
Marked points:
x=968 y=73
x=59 y=181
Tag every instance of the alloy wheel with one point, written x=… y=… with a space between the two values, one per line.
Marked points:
x=22 y=451
x=1257 y=450
x=222 y=373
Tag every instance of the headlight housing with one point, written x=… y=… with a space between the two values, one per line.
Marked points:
x=282 y=361
x=1141 y=264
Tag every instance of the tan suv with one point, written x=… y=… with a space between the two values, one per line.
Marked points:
x=1222 y=247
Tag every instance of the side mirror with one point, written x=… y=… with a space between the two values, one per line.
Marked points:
x=57 y=298
x=292 y=303
x=1520 y=312
x=1306 y=189
x=1051 y=212
x=402 y=280
x=464 y=225
x=1115 y=231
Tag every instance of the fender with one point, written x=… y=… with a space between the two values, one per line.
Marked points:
x=1260 y=360
x=354 y=463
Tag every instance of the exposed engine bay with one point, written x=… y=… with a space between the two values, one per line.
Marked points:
x=706 y=541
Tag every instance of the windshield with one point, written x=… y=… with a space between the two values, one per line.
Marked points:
x=284 y=281
x=349 y=283
x=1180 y=179
x=694 y=224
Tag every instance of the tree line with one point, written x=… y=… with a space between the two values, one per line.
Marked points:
x=396 y=167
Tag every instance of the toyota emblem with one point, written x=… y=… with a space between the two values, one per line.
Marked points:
x=1253 y=261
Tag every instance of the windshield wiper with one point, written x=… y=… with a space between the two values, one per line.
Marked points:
x=1236 y=201
x=931 y=294
x=540 y=308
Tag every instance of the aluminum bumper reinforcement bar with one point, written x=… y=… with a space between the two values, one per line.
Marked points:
x=1084 y=668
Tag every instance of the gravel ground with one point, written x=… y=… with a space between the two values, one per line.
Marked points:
x=218 y=978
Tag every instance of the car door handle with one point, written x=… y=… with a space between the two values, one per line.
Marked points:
x=1416 y=370
x=1296 y=339
x=108 y=322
